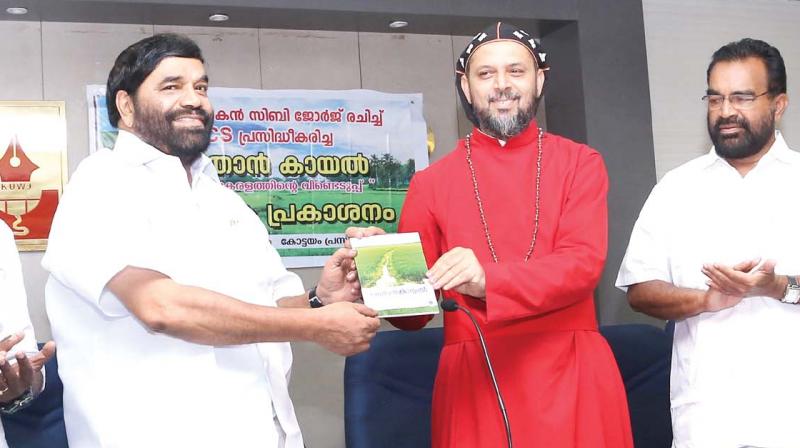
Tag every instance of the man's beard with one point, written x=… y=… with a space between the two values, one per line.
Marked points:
x=505 y=126
x=158 y=129
x=748 y=142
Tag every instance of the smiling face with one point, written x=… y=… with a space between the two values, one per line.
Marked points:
x=171 y=110
x=740 y=133
x=503 y=84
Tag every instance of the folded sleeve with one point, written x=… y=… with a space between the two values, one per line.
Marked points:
x=647 y=256
x=95 y=235
x=284 y=282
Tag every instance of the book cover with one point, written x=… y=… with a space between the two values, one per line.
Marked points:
x=391 y=269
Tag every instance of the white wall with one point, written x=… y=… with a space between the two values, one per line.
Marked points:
x=54 y=61
x=681 y=36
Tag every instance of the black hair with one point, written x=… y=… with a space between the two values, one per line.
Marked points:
x=136 y=63
x=754 y=48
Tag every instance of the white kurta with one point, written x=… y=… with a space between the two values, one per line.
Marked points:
x=123 y=385
x=13 y=302
x=734 y=372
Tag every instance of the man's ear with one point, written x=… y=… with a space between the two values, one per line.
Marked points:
x=781 y=103
x=465 y=88
x=125 y=107
x=539 y=82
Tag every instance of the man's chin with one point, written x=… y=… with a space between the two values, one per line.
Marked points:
x=729 y=140
x=732 y=150
x=192 y=142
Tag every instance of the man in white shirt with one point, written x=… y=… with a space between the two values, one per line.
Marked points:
x=21 y=364
x=714 y=249
x=172 y=310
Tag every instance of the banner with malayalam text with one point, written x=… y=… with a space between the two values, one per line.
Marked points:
x=309 y=163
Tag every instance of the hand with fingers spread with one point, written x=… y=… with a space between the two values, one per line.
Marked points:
x=26 y=374
x=746 y=279
x=460 y=270
x=346 y=328
x=339 y=279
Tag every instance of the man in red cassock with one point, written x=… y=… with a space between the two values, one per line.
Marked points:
x=514 y=228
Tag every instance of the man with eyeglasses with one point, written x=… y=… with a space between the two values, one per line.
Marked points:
x=714 y=249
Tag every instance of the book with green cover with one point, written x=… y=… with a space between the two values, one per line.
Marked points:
x=391 y=269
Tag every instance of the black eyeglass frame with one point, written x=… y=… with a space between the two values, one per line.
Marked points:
x=739 y=101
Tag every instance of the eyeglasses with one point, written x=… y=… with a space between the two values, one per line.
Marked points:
x=740 y=101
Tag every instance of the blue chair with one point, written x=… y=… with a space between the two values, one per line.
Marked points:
x=40 y=425
x=643 y=355
x=388 y=389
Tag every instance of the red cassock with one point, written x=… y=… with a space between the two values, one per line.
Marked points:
x=558 y=376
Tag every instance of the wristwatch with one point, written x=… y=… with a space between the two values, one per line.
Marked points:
x=18 y=403
x=314 y=300
x=792 y=294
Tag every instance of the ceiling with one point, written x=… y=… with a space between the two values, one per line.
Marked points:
x=458 y=17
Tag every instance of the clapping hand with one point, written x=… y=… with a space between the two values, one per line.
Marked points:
x=18 y=377
x=746 y=279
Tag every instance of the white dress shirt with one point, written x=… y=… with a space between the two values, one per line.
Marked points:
x=734 y=379
x=14 y=304
x=125 y=386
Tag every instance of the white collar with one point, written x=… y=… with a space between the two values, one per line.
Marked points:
x=500 y=142
x=136 y=151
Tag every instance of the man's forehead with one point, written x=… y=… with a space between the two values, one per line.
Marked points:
x=748 y=72
x=173 y=66
x=504 y=51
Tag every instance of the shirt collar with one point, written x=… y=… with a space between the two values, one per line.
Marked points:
x=137 y=152
x=500 y=142
x=778 y=151
x=134 y=150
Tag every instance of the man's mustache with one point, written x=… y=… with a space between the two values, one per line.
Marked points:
x=503 y=96
x=204 y=116
x=739 y=121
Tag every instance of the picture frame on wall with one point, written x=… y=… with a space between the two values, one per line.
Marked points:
x=33 y=168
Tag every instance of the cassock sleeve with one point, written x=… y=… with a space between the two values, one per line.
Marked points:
x=417 y=216
x=571 y=271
